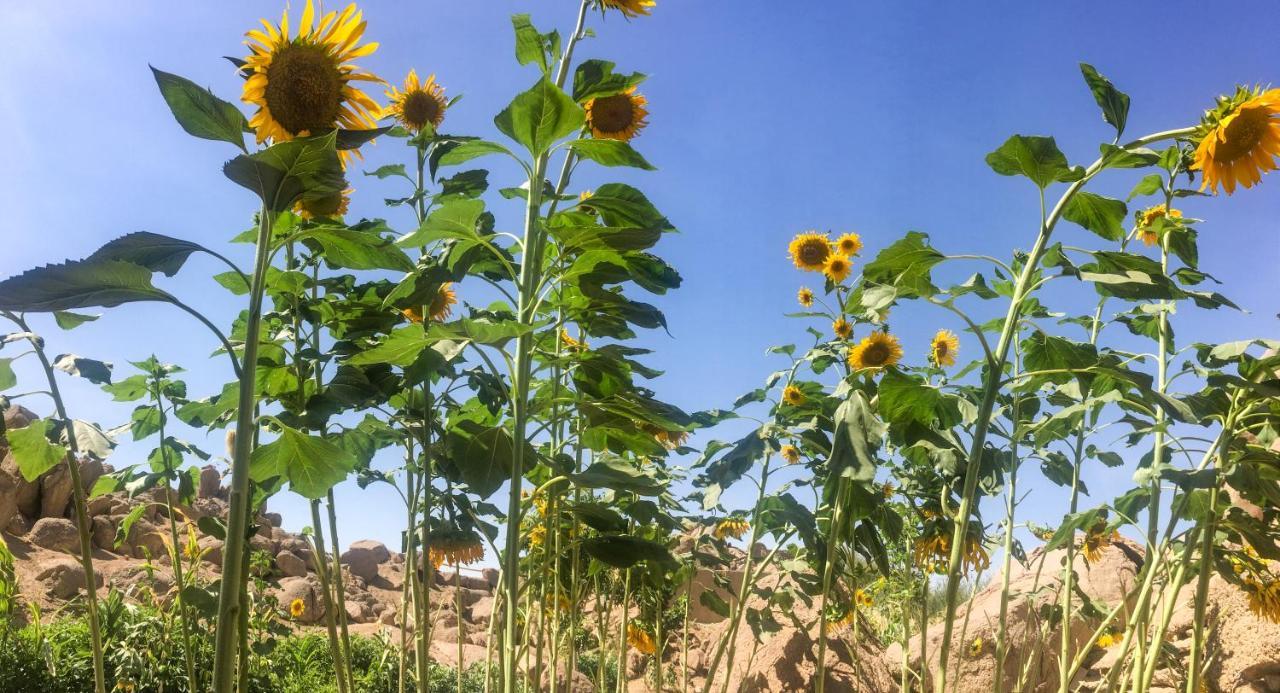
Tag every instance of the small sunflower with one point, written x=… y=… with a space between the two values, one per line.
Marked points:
x=669 y=439
x=862 y=598
x=419 y=105
x=440 y=308
x=629 y=8
x=805 y=297
x=328 y=207
x=1109 y=639
x=731 y=527
x=641 y=640
x=1240 y=140
x=837 y=268
x=572 y=344
x=303 y=84
x=617 y=117
x=842 y=328
x=943 y=348
x=1148 y=216
x=810 y=250
x=297 y=608
x=876 y=351
x=538 y=535
x=793 y=395
x=887 y=489
x=125 y=686
x=848 y=244
x=790 y=454
x=454 y=546
x=976 y=648
x=1095 y=540
x=1264 y=598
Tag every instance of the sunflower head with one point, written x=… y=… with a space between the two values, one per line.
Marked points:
x=790 y=454
x=1096 y=539
x=943 y=348
x=572 y=344
x=1239 y=140
x=328 y=207
x=297 y=607
x=1264 y=597
x=842 y=328
x=878 y=350
x=1109 y=638
x=454 y=546
x=1147 y=218
x=804 y=297
x=420 y=103
x=731 y=527
x=837 y=268
x=810 y=250
x=862 y=598
x=640 y=639
x=303 y=83
x=629 y=8
x=618 y=117
x=848 y=244
x=793 y=395
x=442 y=303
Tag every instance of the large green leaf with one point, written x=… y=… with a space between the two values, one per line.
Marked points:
x=454 y=219
x=621 y=551
x=288 y=171
x=531 y=46
x=199 y=112
x=32 y=450
x=858 y=435
x=622 y=205
x=78 y=284
x=154 y=251
x=1037 y=158
x=609 y=153
x=1101 y=215
x=311 y=465
x=1113 y=102
x=613 y=474
x=462 y=152
x=596 y=78
x=540 y=116
x=351 y=249
x=481 y=456
x=7 y=377
x=905 y=265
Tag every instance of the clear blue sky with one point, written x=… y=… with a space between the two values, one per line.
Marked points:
x=767 y=118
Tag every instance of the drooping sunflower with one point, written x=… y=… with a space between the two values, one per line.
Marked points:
x=1239 y=140
x=848 y=244
x=618 y=117
x=878 y=350
x=731 y=527
x=328 y=207
x=887 y=489
x=793 y=395
x=640 y=639
x=572 y=344
x=303 y=84
x=943 y=348
x=837 y=267
x=1095 y=540
x=805 y=297
x=419 y=105
x=790 y=454
x=809 y=251
x=842 y=328
x=1264 y=598
x=862 y=598
x=629 y=8
x=1147 y=217
x=297 y=608
x=454 y=547
x=440 y=308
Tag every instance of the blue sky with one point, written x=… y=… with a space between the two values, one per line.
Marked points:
x=767 y=119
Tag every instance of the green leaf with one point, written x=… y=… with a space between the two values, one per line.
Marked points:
x=311 y=465
x=858 y=435
x=481 y=456
x=1044 y=352
x=905 y=265
x=714 y=602
x=596 y=78
x=471 y=149
x=351 y=249
x=621 y=205
x=144 y=422
x=618 y=476
x=383 y=172
x=1037 y=158
x=32 y=450
x=1101 y=215
x=199 y=112
x=154 y=251
x=288 y=171
x=130 y=389
x=904 y=399
x=126 y=525
x=1119 y=157
x=609 y=153
x=530 y=47
x=621 y=551
x=78 y=284
x=400 y=348
x=7 y=377
x=540 y=116
x=1148 y=185
x=453 y=219
x=1113 y=102
x=96 y=372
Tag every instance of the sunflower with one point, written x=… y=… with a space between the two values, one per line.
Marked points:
x=842 y=328
x=1148 y=216
x=640 y=639
x=976 y=648
x=629 y=8
x=1109 y=638
x=1239 y=140
x=1095 y=540
x=125 y=686
x=943 y=348
x=731 y=527
x=440 y=308
x=328 y=207
x=809 y=251
x=837 y=267
x=617 y=117
x=805 y=297
x=1264 y=598
x=887 y=489
x=933 y=553
x=538 y=535
x=303 y=84
x=454 y=546
x=570 y=343
x=419 y=105
x=669 y=439
x=296 y=608
x=790 y=453
x=876 y=351
x=861 y=598
x=848 y=244
x=793 y=395
x=843 y=620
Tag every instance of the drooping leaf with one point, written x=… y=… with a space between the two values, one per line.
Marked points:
x=7 y=377
x=1037 y=158
x=1113 y=102
x=32 y=450
x=596 y=78
x=199 y=112
x=96 y=372
x=288 y=171
x=905 y=265
x=156 y=252
x=78 y=284
x=614 y=474
x=352 y=249
x=311 y=464
x=1101 y=215
x=453 y=219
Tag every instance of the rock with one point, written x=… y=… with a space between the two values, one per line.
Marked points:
x=100 y=505
x=210 y=482
x=290 y=564
x=387 y=617
x=453 y=576
x=26 y=494
x=306 y=589
x=55 y=491
x=210 y=549
x=56 y=533
x=491 y=576
x=482 y=610
x=64 y=577
x=273 y=520
x=358 y=612
x=8 y=498
x=19 y=526
x=104 y=533
x=362 y=561
x=91 y=469
x=377 y=548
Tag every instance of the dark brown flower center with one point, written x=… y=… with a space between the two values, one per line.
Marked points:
x=814 y=252
x=1241 y=135
x=875 y=354
x=420 y=108
x=613 y=113
x=304 y=89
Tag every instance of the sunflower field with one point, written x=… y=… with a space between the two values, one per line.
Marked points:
x=856 y=520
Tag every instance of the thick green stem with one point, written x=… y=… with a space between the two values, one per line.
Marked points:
x=176 y=552
x=842 y=486
x=339 y=589
x=330 y=618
